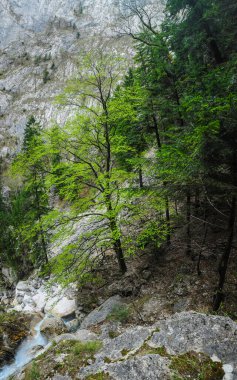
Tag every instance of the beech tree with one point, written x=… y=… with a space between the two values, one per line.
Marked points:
x=89 y=144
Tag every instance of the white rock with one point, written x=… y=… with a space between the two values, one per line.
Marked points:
x=50 y=303
x=28 y=309
x=64 y=307
x=228 y=368
x=40 y=300
x=9 y=275
x=228 y=376
x=22 y=286
x=27 y=298
x=215 y=359
x=18 y=308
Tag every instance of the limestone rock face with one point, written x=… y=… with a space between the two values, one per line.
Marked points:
x=186 y=331
x=150 y=352
x=133 y=355
x=46 y=36
x=101 y=313
x=81 y=335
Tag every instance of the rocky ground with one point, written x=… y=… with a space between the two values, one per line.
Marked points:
x=186 y=346
x=125 y=327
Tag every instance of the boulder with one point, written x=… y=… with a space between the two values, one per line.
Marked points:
x=52 y=327
x=9 y=276
x=101 y=313
x=40 y=299
x=29 y=309
x=152 y=367
x=22 y=286
x=72 y=325
x=64 y=307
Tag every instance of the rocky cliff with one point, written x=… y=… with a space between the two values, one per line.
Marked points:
x=40 y=42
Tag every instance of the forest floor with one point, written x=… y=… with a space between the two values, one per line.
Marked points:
x=158 y=285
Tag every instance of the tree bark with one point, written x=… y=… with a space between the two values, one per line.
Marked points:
x=188 y=221
x=167 y=213
x=140 y=178
x=218 y=298
x=117 y=245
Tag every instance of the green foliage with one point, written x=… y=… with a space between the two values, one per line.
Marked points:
x=144 y=140
x=120 y=313
x=196 y=366
x=33 y=372
x=46 y=76
x=90 y=347
x=30 y=202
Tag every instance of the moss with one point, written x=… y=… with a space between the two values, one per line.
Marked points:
x=113 y=334
x=90 y=347
x=196 y=366
x=107 y=360
x=75 y=354
x=147 y=350
x=124 y=352
x=32 y=373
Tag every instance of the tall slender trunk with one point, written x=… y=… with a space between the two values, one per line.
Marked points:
x=119 y=254
x=167 y=210
x=140 y=177
x=112 y=220
x=116 y=238
x=223 y=265
x=188 y=222
x=202 y=247
x=157 y=133
x=167 y=214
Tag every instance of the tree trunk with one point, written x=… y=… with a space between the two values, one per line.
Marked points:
x=158 y=141
x=120 y=257
x=117 y=245
x=140 y=178
x=225 y=258
x=116 y=236
x=167 y=213
x=188 y=221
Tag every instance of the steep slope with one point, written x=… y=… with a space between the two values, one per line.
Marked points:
x=40 y=42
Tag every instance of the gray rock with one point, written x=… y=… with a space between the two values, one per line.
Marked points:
x=61 y=307
x=181 y=305
x=9 y=276
x=148 y=367
x=101 y=313
x=146 y=274
x=189 y=331
x=73 y=325
x=130 y=341
x=184 y=332
x=53 y=326
x=80 y=335
x=22 y=286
